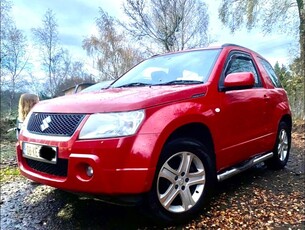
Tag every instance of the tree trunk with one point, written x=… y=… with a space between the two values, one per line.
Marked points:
x=301 y=8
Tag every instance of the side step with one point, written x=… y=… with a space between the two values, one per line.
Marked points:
x=236 y=170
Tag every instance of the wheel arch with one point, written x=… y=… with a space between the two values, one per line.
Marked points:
x=288 y=120
x=193 y=134
x=198 y=132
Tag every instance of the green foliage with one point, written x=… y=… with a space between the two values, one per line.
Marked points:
x=7 y=132
x=293 y=82
x=295 y=90
x=268 y=15
x=7 y=173
x=286 y=16
x=283 y=73
x=9 y=108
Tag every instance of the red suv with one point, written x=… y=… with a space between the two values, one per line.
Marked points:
x=166 y=131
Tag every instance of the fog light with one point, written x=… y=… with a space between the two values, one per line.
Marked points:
x=89 y=171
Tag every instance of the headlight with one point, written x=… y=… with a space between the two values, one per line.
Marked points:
x=102 y=125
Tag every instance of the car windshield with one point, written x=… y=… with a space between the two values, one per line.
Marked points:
x=191 y=67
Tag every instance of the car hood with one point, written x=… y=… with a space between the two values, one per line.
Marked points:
x=119 y=99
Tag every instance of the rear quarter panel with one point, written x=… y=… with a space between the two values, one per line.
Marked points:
x=279 y=102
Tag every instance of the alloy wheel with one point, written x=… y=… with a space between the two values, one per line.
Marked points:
x=282 y=145
x=181 y=182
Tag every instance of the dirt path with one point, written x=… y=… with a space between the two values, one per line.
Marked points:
x=256 y=199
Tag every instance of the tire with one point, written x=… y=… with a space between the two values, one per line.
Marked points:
x=281 y=149
x=183 y=181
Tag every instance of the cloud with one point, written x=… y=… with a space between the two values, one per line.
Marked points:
x=70 y=40
x=76 y=21
x=273 y=47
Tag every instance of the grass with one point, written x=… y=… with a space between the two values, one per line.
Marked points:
x=8 y=173
x=8 y=169
x=8 y=152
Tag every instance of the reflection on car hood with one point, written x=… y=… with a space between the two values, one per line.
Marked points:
x=119 y=99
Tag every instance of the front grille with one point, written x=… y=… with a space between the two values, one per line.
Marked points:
x=58 y=169
x=54 y=124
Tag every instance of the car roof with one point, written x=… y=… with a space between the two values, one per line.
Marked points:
x=213 y=46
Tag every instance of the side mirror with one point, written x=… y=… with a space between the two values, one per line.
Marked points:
x=242 y=80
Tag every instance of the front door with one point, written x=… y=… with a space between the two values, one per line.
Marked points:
x=242 y=114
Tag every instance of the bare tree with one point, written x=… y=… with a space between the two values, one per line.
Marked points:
x=173 y=24
x=47 y=39
x=34 y=82
x=15 y=61
x=75 y=75
x=13 y=54
x=61 y=70
x=5 y=23
x=109 y=48
x=285 y=15
x=78 y=71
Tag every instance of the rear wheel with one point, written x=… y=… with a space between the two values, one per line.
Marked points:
x=183 y=180
x=281 y=149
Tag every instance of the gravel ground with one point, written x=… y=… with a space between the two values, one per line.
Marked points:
x=256 y=199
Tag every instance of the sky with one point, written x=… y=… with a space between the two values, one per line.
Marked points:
x=76 y=21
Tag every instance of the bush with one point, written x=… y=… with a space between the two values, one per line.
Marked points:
x=5 y=125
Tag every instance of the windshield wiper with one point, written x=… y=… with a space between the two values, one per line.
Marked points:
x=133 y=84
x=180 y=82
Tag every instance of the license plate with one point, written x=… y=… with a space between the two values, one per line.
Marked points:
x=42 y=153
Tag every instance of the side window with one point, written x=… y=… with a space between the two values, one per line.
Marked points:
x=242 y=64
x=271 y=74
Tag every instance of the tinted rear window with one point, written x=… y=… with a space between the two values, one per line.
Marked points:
x=272 y=75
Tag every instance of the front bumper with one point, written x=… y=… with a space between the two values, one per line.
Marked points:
x=120 y=166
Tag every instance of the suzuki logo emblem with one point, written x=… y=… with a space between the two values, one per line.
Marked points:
x=45 y=123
